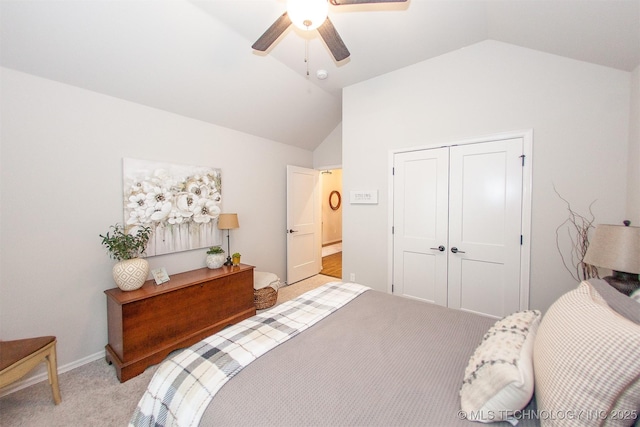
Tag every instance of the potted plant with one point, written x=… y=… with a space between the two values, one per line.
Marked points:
x=215 y=257
x=236 y=258
x=127 y=247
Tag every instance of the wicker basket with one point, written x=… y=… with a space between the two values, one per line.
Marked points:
x=265 y=297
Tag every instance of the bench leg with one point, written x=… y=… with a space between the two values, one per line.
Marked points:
x=52 y=368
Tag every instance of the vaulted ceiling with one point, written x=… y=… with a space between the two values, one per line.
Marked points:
x=194 y=57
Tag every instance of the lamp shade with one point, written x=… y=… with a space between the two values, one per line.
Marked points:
x=227 y=221
x=616 y=247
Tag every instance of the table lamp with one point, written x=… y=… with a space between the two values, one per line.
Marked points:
x=617 y=247
x=228 y=221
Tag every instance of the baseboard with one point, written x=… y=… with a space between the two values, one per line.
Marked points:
x=40 y=374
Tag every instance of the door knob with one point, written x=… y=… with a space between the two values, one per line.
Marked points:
x=292 y=231
x=457 y=251
x=439 y=248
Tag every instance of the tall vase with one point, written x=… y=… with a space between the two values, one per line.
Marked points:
x=130 y=274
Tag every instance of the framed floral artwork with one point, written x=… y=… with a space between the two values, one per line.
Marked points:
x=180 y=204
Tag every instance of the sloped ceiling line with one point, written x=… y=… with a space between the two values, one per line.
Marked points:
x=194 y=57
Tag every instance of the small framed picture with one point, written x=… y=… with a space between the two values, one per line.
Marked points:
x=160 y=275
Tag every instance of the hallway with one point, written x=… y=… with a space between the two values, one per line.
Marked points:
x=332 y=260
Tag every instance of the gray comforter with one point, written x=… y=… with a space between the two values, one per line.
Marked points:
x=380 y=360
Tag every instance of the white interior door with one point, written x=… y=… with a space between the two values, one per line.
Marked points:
x=420 y=224
x=485 y=223
x=304 y=256
x=466 y=200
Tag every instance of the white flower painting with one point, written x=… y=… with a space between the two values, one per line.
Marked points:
x=180 y=204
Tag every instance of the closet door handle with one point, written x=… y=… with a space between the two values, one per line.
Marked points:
x=439 y=248
x=457 y=251
x=292 y=231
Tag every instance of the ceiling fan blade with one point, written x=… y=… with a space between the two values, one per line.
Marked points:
x=272 y=33
x=332 y=39
x=341 y=2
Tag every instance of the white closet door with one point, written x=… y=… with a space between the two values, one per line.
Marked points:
x=485 y=202
x=420 y=224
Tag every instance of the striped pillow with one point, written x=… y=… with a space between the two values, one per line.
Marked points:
x=616 y=300
x=586 y=363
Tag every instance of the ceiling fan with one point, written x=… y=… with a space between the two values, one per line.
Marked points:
x=310 y=15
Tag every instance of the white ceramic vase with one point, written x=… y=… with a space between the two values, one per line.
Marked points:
x=215 y=260
x=130 y=274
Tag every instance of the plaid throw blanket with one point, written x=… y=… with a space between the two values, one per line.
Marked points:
x=183 y=385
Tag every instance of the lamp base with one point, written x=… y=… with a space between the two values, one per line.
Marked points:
x=623 y=282
x=228 y=261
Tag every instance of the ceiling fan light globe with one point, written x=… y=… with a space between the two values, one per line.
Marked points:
x=307 y=14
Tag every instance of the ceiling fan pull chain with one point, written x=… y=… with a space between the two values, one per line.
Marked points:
x=306 y=54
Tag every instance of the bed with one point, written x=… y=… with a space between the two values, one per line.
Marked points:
x=374 y=360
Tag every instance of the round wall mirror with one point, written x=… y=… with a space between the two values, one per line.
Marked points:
x=334 y=200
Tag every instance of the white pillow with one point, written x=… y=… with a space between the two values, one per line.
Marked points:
x=499 y=377
x=587 y=368
x=262 y=279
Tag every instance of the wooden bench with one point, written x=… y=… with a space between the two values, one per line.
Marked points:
x=19 y=357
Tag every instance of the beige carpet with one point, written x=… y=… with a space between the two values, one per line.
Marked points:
x=92 y=395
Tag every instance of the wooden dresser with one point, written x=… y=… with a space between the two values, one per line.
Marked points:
x=147 y=324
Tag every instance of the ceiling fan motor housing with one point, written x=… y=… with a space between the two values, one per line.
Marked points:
x=307 y=14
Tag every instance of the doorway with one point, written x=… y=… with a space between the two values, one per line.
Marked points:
x=331 y=184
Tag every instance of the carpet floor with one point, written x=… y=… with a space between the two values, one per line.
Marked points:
x=91 y=393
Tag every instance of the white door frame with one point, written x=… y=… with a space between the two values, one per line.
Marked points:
x=525 y=254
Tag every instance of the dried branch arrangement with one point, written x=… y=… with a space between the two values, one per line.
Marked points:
x=578 y=227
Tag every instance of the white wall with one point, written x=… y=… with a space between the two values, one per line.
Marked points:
x=633 y=192
x=329 y=154
x=61 y=186
x=579 y=114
